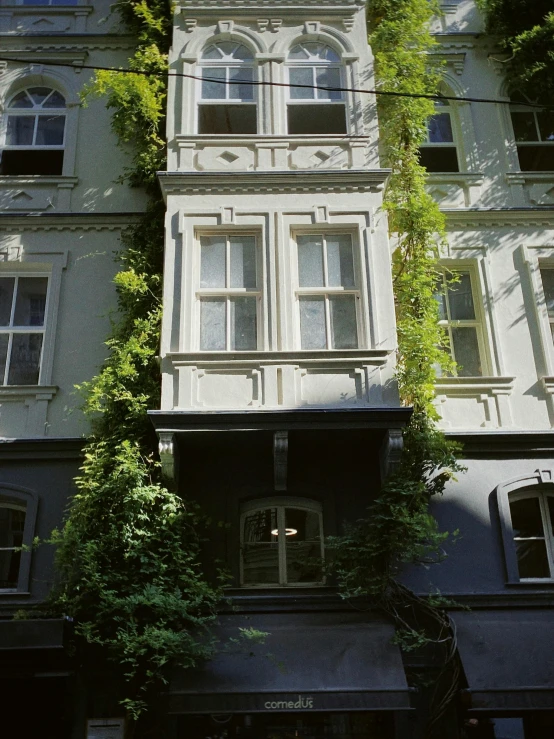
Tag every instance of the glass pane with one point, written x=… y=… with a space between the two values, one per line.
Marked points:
x=550 y=504
x=460 y=299
x=310 y=261
x=312 y=323
x=212 y=324
x=524 y=126
x=239 y=89
x=328 y=77
x=340 y=263
x=30 y=302
x=25 y=359
x=526 y=517
x=260 y=549
x=547 y=276
x=21 y=100
x=536 y=158
x=39 y=94
x=6 y=299
x=301 y=76
x=323 y=118
x=546 y=126
x=212 y=89
x=20 y=130
x=235 y=51
x=439 y=158
x=212 y=261
x=244 y=332
x=12 y=521
x=4 y=341
x=466 y=352
x=532 y=560
x=213 y=52
x=343 y=322
x=329 y=54
x=55 y=100
x=298 y=52
x=441 y=300
x=439 y=127
x=303 y=545
x=243 y=261
x=50 y=130
x=222 y=119
x=508 y=728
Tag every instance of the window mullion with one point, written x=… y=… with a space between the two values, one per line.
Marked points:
x=228 y=323
x=547 y=528
x=14 y=298
x=328 y=321
x=8 y=358
x=282 y=545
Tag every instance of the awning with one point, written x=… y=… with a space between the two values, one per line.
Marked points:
x=308 y=662
x=508 y=658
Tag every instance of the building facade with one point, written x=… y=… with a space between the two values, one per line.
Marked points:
x=279 y=410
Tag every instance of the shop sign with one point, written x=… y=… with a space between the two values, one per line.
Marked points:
x=303 y=702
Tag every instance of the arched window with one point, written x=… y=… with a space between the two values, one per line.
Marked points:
x=18 y=509
x=227 y=100
x=316 y=103
x=282 y=543
x=534 y=135
x=439 y=152
x=35 y=133
x=532 y=519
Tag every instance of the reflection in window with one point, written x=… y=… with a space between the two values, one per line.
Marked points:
x=35 y=133
x=228 y=293
x=458 y=316
x=533 y=532
x=282 y=544
x=22 y=318
x=227 y=96
x=534 y=135
x=438 y=152
x=311 y=110
x=327 y=293
x=12 y=525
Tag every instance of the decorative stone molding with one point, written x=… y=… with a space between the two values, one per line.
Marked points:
x=349 y=23
x=40 y=222
x=486 y=397
x=455 y=189
x=51 y=19
x=36 y=400
x=36 y=193
x=280 y=459
x=255 y=4
x=312 y=27
x=190 y=24
x=461 y=218
x=224 y=27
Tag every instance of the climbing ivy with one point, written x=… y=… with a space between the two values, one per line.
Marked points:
x=128 y=554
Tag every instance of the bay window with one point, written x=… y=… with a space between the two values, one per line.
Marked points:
x=532 y=518
x=327 y=294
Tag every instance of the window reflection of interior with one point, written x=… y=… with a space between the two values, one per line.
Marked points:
x=533 y=532
x=438 y=152
x=12 y=524
x=282 y=545
x=458 y=316
x=227 y=100
x=22 y=319
x=534 y=135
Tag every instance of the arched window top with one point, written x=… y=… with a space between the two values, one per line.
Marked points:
x=532 y=523
x=314 y=53
x=37 y=98
x=227 y=52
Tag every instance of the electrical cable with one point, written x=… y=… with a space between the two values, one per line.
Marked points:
x=262 y=83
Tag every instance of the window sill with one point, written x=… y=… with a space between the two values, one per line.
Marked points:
x=24 y=392
x=471 y=385
x=531 y=583
x=466 y=178
x=19 y=593
x=37 y=179
x=520 y=178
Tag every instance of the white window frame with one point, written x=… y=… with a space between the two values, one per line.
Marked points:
x=11 y=329
x=478 y=322
x=514 y=107
x=550 y=318
x=229 y=292
x=326 y=291
x=30 y=499
x=446 y=109
x=305 y=504
x=542 y=495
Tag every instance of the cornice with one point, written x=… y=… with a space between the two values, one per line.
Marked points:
x=43 y=448
x=47 y=45
x=499 y=217
x=180 y=183
x=276 y=5
x=67 y=221
x=503 y=443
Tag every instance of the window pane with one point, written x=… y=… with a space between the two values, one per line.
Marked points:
x=260 y=552
x=323 y=118
x=547 y=276
x=20 y=130
x=328 y=77
x=39 y=94
x=550 y=504
x=538 y=158
x=340 y=263
x=439 y=127
x=25 y=359
x=21 y=100
x=222 y=119
x=213 y=52
x=30 y=302
x=546 y=126
x=243 y=324
x=298 y=52
x=466 y=352
x=439 y=159
x=526 y=517
x=6 y=299
x=243 y=261
x=212 y=324
x=214 y=90
x=508 y=728
x=532 y=560
x=524 y=126
x=312 y=323
x=310 y=261
x=4 y=341
x=50 y=130
x=12 y=523
x=301 y=76
x=303 y=546
x=55 y=100
x=212 y=261
x=460 y=299
x=440 y=297
x=239 y=90
x=343 y=322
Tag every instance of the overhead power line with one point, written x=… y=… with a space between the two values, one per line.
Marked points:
x=262 y=83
